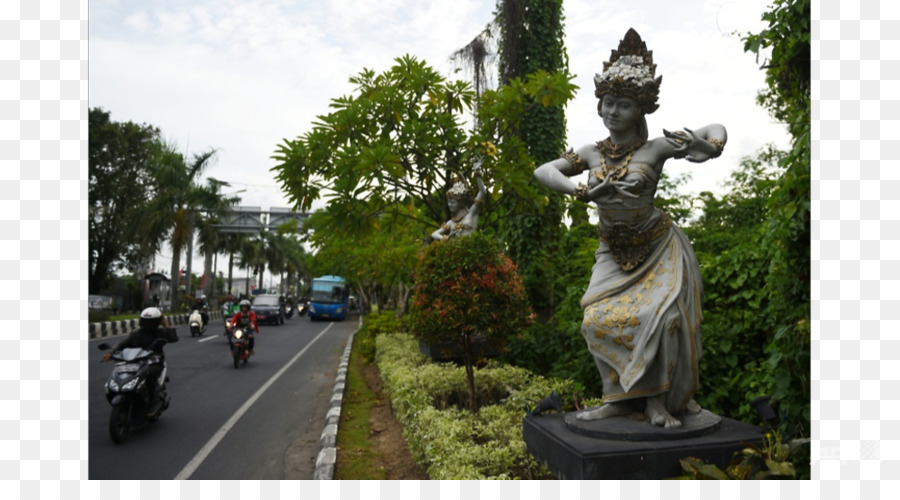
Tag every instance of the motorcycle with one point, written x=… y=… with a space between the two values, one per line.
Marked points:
x=240 y=344
x=195 y=320
x=289 y=309
x=127 y=389
x=302 y=307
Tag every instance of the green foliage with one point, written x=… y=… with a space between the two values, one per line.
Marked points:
x=356 y=455
x=376 y=324
x=466 y=286
x=771 y=460
x=454 y=443
x=178 y=201
x=387 y=153
x=384 y=322
x=398 y=140
x=98 y=315
x=116 y=236
x=671 y=201
x=556 y=348
x=787 y=95
x=532 y=41
x=739 y=318
x=787 y=231
x=376 y=261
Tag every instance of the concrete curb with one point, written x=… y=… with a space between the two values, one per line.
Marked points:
x=328 y=454
x=113 y=328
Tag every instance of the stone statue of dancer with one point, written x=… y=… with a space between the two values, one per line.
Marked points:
x=642 y=307
x=463 y=207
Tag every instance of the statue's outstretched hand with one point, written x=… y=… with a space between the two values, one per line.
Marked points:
x=689 y=146
x=681 y=141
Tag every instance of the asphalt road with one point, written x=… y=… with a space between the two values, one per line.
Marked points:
x=260 y=421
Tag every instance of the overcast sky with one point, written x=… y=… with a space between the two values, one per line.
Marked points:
x=242 y=76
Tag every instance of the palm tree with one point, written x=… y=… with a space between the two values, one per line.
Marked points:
x=213 y=208
x=177 y=198
x=276 y=253
x=298 y=266
x=231 y=244
x=253 y=256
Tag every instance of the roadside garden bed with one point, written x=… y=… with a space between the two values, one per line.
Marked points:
x=430 y=400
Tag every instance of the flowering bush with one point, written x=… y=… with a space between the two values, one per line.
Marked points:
x=466 y=287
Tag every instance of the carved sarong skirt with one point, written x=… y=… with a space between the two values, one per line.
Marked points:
x=642 y=325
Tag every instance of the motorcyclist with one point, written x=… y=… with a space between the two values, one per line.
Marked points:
x=246 y=317
x=152 y=325
x=200 y=305
x=229 y=303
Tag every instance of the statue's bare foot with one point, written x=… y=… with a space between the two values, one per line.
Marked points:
x=693 y=407
x=657 y=413
x=605 y=411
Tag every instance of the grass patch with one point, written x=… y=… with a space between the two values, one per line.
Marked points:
x=120 y=317
x=356 y=456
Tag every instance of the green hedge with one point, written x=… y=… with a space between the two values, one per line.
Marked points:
x=429 y=399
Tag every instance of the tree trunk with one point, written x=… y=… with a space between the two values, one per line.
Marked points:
x=176 y=263
x=470 y=372
x=208 y=275
x=403 y=292
x=363 y=299
x=230 y=269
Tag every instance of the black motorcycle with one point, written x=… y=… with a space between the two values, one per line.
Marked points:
x=289 y=308
x=127 y=389
x=302 y=307
x=240 y=344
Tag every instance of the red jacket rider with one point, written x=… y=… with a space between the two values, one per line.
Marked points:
x=250 y=315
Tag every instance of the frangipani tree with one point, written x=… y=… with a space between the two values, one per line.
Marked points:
x=402 y=138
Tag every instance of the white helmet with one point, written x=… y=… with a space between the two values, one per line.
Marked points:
x=151 y=318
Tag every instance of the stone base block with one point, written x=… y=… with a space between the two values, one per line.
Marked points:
x=571 y=455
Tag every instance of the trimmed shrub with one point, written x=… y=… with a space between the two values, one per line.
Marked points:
x=443 y=436
x=466 y=287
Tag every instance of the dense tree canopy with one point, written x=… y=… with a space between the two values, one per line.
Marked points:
x=786 y=238
x=118 y=151
x=401 y=138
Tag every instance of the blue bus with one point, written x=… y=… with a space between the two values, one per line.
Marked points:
x=329 y=299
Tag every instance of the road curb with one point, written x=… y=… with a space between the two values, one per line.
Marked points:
x=113 y=328
x=328 y=454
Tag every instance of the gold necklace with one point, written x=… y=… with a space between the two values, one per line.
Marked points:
x=618 y=173
x=616 y=151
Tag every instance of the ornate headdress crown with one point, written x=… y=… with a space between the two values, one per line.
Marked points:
x=630 y=72
x=459 y=191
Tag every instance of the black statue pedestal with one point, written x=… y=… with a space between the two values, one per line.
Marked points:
x=629 y=447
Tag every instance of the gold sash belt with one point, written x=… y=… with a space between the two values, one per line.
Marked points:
x=630 y=245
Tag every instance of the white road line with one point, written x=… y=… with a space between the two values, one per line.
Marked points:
x=211 y=444
x=211 y=337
